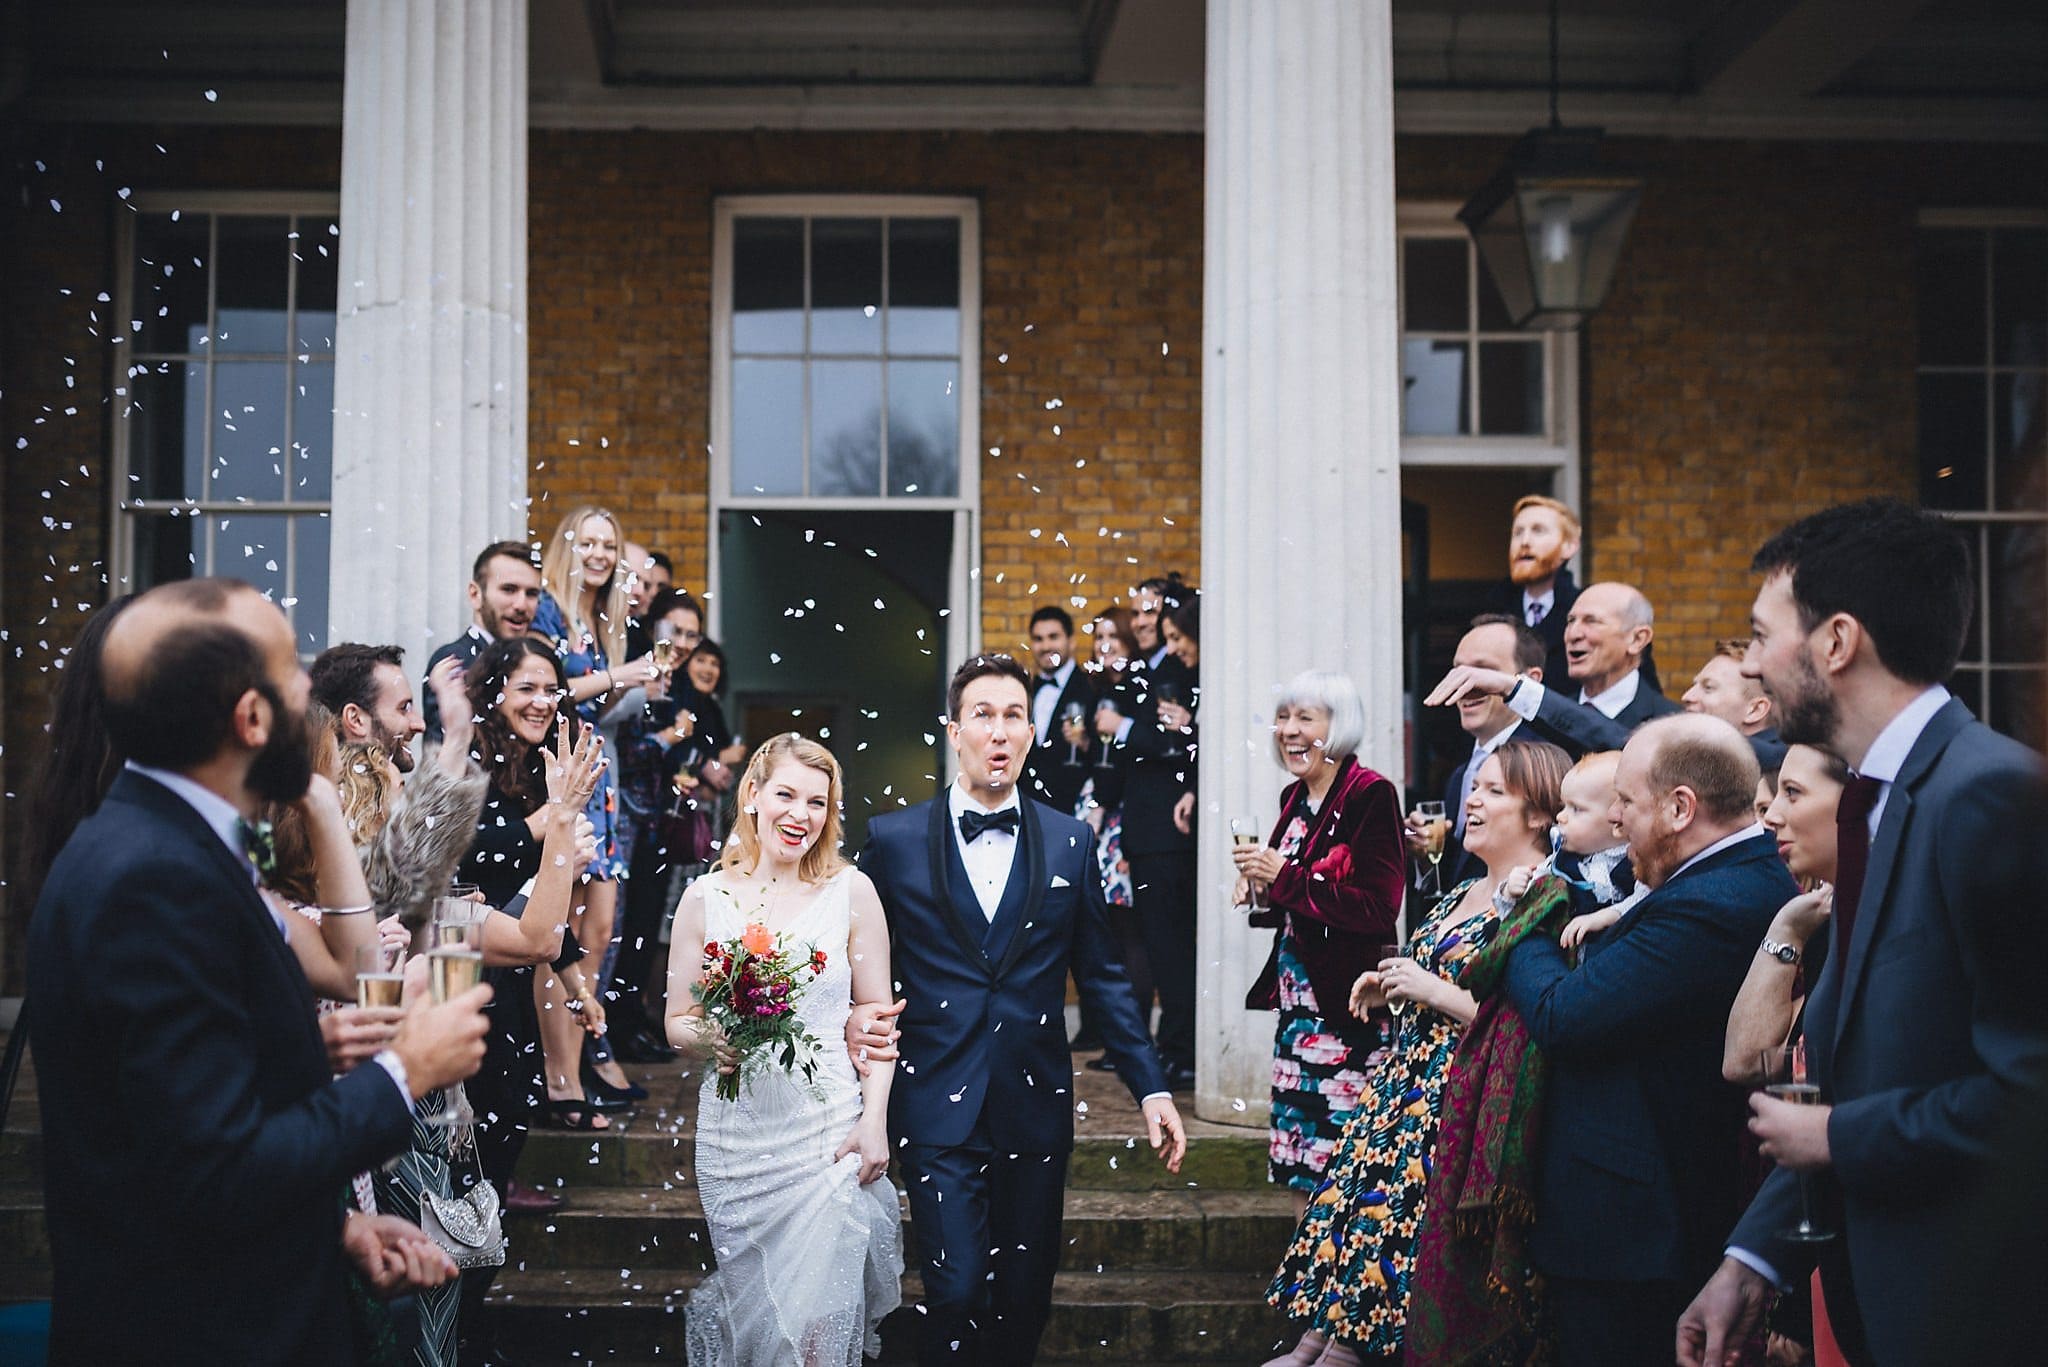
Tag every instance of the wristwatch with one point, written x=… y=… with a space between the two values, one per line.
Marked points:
x=1783 y=953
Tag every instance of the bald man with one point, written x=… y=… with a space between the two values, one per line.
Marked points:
x=1638 y=1171
x=197 y=1152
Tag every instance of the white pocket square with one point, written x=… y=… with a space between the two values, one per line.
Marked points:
x=1059 y=882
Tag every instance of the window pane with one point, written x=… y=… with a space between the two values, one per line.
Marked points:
x=767 y=427
x=166 y=413
x=2020 y=441
x=1511 y=388
x=924 y=428
x=768 y=285
x=2019 y=295
x=846 y=285
x=1950 y=284
x=318 y=249
x=312 y=472
x=170 y=282
x=2019 y=579
x=1974 y=544
x=248 y=430
x=924 y=287
x=1433 y=278
x=1433 y=389
x=164 y=550
x=2019 y=705
x=310 y=539
x=1952 y=441
x=251 y=547
x=1493 y=311
x=250 y=292
x=846 y=428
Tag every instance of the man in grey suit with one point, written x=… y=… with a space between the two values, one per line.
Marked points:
x=1927 y=1026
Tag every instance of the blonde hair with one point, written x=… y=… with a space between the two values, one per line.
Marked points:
x=1566 y=518
x=561 y=575
x=743 y=846
x=365 y=782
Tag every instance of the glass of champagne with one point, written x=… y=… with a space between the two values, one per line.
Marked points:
x=1785 y=1077
x=1244 y=833
x=455 y=963
x=665 y=655
x=1103 y=760
x=1436 y=829
x=1070 y=721
x=1394 y=951
x=380 y=974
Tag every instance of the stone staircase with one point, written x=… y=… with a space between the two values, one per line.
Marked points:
x=1157 y=1268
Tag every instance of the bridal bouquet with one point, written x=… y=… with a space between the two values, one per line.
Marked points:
x=749 y=991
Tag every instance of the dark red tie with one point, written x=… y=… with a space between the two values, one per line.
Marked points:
x=1852 y=854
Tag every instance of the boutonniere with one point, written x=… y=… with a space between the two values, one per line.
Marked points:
x=259 y=847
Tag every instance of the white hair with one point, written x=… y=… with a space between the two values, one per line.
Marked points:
x=1335 y=695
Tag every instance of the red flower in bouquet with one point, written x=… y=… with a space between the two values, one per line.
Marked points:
x=749 y=989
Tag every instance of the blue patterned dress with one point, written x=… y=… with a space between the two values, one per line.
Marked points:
x=1346 y=1273
x=585 y=654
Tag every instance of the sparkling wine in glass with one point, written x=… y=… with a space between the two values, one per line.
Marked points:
x=1785 y=1077
x=1244 y=833
x=665 y=655
x=1394 y=951
x=1436 y=830
x=1070 y=717
x=1102 y=752
x=455 y=963
x=380 y=976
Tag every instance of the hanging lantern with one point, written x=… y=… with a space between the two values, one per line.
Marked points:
x=1550 y=226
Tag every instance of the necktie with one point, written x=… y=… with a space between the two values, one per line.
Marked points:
x=1536 y=614
x=1852 y=853
x=259 y=847
x=1048 y=681
x=972 y=823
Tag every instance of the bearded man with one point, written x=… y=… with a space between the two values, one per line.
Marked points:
x=1539 y=590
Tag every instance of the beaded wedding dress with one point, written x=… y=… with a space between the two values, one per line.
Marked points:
x=809 y=1260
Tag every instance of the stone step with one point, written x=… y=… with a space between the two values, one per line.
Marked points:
x=586 y=1315
x=1103 y=1231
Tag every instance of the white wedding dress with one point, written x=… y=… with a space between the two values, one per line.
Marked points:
x=809 y=1260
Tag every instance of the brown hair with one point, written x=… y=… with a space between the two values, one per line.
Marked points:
x=1531 y=652
x=1692 y=752
x=743 y=846
x=1568 y=519
x=1734 y=647
x=364 y=780
x=561 y=576
x=1534 y=770
x=1119 y=618
x=296 y=876
x=980 y=667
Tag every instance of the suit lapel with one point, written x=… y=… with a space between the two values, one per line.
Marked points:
x=1017 y=915
x=948 y=892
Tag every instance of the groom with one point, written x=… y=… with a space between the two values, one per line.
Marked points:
x=992 y=901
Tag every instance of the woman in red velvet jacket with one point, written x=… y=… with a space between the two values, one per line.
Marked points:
x=1330 y=881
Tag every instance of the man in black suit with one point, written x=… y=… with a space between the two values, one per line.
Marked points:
x=1058 y=769
x=198 y=1154
x=1722 y=690
x=1539 y=590
x=1498 y=644
x=1926 y=1029
x=992 y=900
x=1639 y=1164
x=504 y=594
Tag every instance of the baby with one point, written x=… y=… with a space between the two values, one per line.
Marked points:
x=1584 y=852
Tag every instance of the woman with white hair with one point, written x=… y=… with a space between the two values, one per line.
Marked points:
x=1329 y=881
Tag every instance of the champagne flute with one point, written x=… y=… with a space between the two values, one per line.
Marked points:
x=1394 y=951
x=665 y=655
x=1785 y=1077
x=1244 y=831
x=380 y=977
x=1070 y=717
x=455 y=963
x=1103 y=761
x=1436 y=829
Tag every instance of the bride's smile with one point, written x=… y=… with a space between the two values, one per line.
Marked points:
x=789 y=811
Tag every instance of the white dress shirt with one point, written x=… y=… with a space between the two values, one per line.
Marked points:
x=1045 y=697
x=1753 y=828
x=1547 y=600
x=987 y=857
x=1525 y=700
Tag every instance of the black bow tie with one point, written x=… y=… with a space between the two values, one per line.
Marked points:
x=973 y=823
x=1048 y=681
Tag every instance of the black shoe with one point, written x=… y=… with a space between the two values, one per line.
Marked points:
x=600 y=1092
x=1180 y=1079
x=1105 y=1064
x=1085 y=1042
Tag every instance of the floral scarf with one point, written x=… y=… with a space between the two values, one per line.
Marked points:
x=1473 y=1301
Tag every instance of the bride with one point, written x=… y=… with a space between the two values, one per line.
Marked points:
x=808 y=1238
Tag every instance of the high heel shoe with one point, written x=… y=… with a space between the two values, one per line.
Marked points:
x=1305 y=1352
x=600 y=1091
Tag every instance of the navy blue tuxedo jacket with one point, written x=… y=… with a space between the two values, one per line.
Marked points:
x=1639 y=1174
x=985 y=1029
x=197 y=1152
x=1924 y=1033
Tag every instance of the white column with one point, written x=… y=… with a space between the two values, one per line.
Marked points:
x=1301 y=475
x=430 y=345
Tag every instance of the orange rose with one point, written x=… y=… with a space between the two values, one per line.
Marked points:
x=756 y=939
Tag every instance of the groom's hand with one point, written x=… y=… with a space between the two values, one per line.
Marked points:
x=1169 y=1137
x=871 y=1033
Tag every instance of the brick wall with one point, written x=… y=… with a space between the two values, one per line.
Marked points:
x=1091 y=296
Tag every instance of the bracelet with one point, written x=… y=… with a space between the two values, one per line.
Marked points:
x=346 y=911
x=609 y=682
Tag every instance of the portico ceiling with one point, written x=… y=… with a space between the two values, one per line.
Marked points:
x=1897 y=68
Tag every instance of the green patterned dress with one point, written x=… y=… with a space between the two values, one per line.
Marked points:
x=1346 y=1273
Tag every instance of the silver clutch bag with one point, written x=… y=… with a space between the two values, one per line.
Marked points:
x=466 y=1225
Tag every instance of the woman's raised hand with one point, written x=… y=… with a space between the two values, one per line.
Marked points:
x=1800 y=919
x=572 y=769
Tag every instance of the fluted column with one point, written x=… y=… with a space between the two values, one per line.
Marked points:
x=1301 y=477
x=430 y=346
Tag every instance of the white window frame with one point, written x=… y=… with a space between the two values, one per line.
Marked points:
x=1977 y=525
x=124 y=511
x=963 y=619
x=1557 y=448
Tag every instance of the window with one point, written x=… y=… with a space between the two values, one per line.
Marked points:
x=1465 y=371
x=1983 y=451
x=223 y=440
x=846 y=343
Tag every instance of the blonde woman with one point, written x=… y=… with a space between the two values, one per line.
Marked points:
x=810 y=1254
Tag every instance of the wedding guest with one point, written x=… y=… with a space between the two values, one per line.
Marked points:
x=1539 y=590
x=504 y=595
x=704 y=673
x=1722 y=690
x=1328 y=880
x=1926 y=1026
x=364 y=689
x=1345 y=1278
x=1151 y=600
x=1103 y=798
x=248 y=1139
x=648 y=575
x=80 y=762
x=1061 y=695
x=1497 y=642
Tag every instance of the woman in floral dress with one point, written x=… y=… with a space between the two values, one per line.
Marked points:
x=1345 y=1277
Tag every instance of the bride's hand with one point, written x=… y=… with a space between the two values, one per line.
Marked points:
x=869 y=1139
x=871 y=1033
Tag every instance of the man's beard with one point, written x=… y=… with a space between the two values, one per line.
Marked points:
x=399 y=748
x=1523 y=574
x=1806 y=708
x=283 y=768
x=1654 y=863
